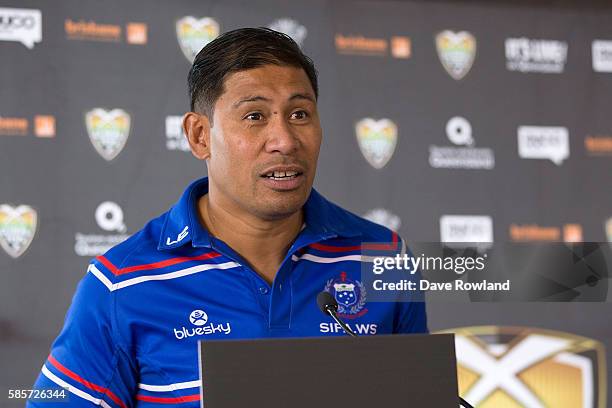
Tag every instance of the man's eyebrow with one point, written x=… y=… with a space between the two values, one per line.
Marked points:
x=255 y=98
x=306 y=96
x=250 y=98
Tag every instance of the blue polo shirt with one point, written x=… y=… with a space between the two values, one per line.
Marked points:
x=130 y=336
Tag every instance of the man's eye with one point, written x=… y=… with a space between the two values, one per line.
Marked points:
x=254 y=116
x=299 y=115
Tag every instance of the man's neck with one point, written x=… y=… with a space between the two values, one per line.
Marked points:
x=262 y=243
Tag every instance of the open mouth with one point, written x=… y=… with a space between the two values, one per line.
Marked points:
x=282 y=175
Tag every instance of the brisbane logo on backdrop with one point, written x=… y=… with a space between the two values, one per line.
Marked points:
x=44 y=126
x=397 y=46
x=508 y=367
x=17 y=228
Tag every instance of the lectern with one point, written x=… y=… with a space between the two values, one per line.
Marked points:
x=356 y=372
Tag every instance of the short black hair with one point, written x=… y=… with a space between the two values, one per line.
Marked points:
x=239 y=50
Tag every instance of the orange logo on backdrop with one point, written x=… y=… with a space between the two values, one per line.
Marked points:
x=361 y=45
x=598 y=145
x=44 y=126
x=136 y=33
x=398 y=46
x=572 y=233
x=90 y=30
x=534 y=232
x=13 y=126
x=401 y=47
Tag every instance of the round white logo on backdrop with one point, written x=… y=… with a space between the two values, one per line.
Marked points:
x=459 y=131
x=109 y=217
x=198 y=317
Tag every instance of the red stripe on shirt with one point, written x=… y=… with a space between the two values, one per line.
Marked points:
x=86 y=383
x=384 y=247
x=167 y=400
x=155 y=265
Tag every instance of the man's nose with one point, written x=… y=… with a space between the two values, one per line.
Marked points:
x=282 y=137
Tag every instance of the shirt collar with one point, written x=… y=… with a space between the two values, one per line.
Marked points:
x=182 y=224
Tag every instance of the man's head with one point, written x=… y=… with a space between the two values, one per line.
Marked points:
x=254 y=120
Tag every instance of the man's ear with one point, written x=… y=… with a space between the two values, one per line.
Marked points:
x=197 y=131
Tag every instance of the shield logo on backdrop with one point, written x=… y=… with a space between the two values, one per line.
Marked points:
x=17 y=228
x=513 y=367
x=377 y=140
x=193 y=34
x=350 y=295
x=292 y=28
x=456 y=51
x=108 y=131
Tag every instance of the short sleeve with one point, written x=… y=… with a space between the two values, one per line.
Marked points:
x=86 y=358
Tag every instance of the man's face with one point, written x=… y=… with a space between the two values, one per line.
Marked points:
x=265 y=141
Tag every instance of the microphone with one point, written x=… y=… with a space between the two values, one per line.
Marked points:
x=329 y=306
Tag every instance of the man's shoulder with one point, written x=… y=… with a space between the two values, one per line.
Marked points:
x=142 y=242
x=139 y=258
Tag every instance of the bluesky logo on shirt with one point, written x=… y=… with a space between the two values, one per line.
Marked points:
x=199 y=319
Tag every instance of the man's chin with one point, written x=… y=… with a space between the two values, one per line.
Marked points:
x=275 y=208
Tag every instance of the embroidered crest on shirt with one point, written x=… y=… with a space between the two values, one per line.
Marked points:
x=350 y=295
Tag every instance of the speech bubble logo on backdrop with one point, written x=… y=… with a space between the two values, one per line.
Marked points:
x=456 y=51
x=21 y=25
x=377 y=140
x=108 y=131
x=529 y=367
x=544 y=142
x=460 y=229
x=17 y=228
x=193 y=34
x=290 y=27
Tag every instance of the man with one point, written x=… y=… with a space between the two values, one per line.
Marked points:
x=243 y=253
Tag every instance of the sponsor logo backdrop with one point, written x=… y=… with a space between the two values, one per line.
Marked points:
x=444 y=121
